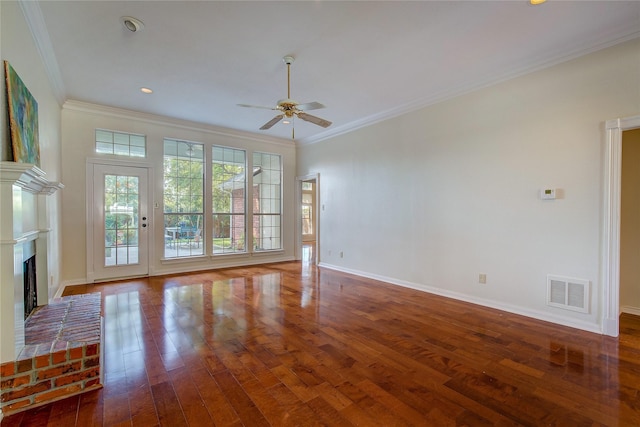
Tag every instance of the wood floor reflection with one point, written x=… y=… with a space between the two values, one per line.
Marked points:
x=290 y=344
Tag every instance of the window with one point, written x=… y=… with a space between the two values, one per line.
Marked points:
x=183 y=198
x=120 y=143
x=229 y=184
x=267 y=201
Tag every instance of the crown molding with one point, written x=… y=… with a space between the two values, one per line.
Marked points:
x=35 y=21
x=623 y=35
x=86 y=107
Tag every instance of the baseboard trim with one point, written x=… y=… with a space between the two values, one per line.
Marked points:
x=60 y=291
x=535 y=314
x=184 y=266
x=177 y=267
x=630 y=310
x=66 y=283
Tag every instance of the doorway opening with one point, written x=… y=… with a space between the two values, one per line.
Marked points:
x=630 y=223
x=308 y=219
x=118 y=225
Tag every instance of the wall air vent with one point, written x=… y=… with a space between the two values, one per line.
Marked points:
x=568 y=293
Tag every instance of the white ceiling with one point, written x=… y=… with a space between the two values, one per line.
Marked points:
x=366 y=61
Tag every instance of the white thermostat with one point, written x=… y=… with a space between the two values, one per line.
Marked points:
x=548 y=194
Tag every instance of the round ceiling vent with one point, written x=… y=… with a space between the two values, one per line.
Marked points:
x=132 y=24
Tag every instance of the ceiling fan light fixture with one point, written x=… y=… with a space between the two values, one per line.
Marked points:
x=289 y=109
x=132 y=24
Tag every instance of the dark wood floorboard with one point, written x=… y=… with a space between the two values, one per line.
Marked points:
x=291 y=345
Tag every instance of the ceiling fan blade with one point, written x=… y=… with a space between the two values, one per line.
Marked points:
x=272 y=122
x=256 y=106
x=310 y=106
x=315 y=120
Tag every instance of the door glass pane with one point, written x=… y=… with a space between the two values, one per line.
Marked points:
x=121 y=203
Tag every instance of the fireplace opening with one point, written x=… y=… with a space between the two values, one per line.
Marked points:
x=30 y=286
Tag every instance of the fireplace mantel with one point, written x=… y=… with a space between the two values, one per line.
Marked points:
x=24 y=190
x=28 y=177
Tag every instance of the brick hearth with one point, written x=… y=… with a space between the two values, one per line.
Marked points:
x=61 y=356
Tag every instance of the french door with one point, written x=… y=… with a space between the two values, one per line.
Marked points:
x=120 y=224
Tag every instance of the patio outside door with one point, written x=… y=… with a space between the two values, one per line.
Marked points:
x=120 y=222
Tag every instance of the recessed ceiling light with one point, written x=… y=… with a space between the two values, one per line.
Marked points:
x=146 y=90
x=536 y=2
x=132 y=24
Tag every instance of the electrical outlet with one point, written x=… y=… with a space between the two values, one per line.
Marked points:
x=341 y=254
x=482 y=278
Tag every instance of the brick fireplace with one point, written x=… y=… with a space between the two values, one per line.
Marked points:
x=55 y=352
x=61 y=356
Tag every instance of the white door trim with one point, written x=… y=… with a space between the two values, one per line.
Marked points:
x=611 y=222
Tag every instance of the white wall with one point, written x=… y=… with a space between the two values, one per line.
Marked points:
x=79 y=122
x=19 y=49
x=433 y=198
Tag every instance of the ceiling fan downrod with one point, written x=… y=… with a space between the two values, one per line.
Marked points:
x=288 y=60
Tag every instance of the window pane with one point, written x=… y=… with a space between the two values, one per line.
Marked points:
x=121 y=138
x=170 y=148
x=228 y=199
x=104 y=136
x=183 y=195
x=267 y=201
x=137 y=141
x=136 y=151
x=121 y=150
x=104 y=148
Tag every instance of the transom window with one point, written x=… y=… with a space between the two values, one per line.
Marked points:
x=120 y=143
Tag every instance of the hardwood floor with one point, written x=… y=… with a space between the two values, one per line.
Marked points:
x=292 y=345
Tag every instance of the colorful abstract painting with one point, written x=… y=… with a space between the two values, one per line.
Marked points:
x=23 y=117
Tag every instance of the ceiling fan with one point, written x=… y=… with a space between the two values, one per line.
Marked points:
x=289 y=108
